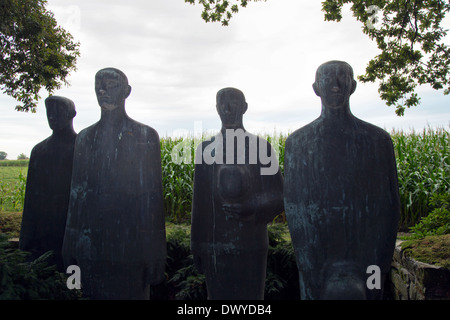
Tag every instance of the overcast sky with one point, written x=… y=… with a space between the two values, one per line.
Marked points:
x=176 y=63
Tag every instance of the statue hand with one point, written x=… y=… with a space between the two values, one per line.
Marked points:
x=155 y=273
x=198 y=263
x=237 y=210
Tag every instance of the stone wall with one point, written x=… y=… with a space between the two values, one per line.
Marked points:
x=414 y=280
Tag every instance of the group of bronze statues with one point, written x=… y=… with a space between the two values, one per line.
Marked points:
x=96 y=200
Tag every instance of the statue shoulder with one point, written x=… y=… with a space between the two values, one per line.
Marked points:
x=141 y=129
x=40 y=147
x=303 y=134
x=88 y=131
x=376 y=133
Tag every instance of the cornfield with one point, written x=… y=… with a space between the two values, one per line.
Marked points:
x=177 y=158
x=177 y=178
x=12 y=195
x=423 y=165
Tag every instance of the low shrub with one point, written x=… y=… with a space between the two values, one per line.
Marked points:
x=21 y=279
x=185 y=283
x=282 y=281
x=438 y=221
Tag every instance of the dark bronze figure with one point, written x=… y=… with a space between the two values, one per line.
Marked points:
x=238 y=190
x=341 y=195
x=48 y=184
x=115 y=227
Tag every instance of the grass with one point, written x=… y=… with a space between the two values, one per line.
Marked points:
x=431 y=249
x=10 y=174
x=173 y=228
x=10 y=223
x=12 y=187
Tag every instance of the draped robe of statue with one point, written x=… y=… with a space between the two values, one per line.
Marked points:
x=48 y=185
x=341 y=195
x=233 y=202
x=115 y=227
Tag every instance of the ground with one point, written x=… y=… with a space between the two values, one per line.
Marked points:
x=431 y=249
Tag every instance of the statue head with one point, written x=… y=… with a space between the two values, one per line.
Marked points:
x=231 y=106
x=112 y=88
x=334 y=84
x=60 y=112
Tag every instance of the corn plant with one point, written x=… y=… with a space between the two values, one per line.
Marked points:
x=177 y=178
x=423 y=166
x=177 y=159
x=18 y=194
x=277 y=140
x=4 y=191
x=12 y=195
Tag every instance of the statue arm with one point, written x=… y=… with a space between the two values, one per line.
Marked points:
x=263 y=204
x=201 y=207
x=76 y=199
x=157 y=243
x=27 y=229
x=271 y=202
x=393 y=213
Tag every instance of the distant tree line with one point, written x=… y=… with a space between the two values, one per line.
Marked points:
x=21 y=156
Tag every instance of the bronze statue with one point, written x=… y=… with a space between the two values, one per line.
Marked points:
x=341 y=195
x=48 y=184
x=237 y=192
x=115 y=227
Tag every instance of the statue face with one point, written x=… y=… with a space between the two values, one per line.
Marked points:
x=231 y=106
x=59 y=114
x=111 y=88
x=335 y=84
x=230 y=111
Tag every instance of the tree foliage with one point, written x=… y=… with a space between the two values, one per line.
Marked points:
x=220 y=10
x=22 y=156
x=409 y=34
x=36 y=53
